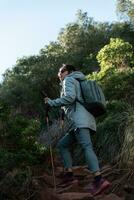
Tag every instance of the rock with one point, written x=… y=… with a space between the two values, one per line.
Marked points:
x=69 y=188
x=129 y=189
x=48 y=194
x=129 y=197
x=49 y=179
x=75 y=196
x=109 y=197
x=79 y=188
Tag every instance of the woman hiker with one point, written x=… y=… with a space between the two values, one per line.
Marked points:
x=82 y=123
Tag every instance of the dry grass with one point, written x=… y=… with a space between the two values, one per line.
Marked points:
x=127 y=153
x=53 y=133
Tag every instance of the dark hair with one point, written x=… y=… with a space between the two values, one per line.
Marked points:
x=69 y=68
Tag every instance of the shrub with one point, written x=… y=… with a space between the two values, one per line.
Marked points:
x=127 y=151
x=110 y=132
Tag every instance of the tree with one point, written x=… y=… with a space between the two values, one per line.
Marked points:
x=126 y=9
x=81 y=41
x=117 y=54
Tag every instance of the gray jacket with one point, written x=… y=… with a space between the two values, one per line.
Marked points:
x=78 y=116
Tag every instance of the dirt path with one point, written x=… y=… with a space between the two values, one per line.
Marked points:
x=78 y=189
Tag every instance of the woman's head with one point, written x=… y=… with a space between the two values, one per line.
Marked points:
x=64 y=70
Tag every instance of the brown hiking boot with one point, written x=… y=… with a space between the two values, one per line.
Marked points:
x=97 y=188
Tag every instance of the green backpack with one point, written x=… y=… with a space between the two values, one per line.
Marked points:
x=93 y=96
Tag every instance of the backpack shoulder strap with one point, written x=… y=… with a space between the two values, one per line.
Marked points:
x=82 y=93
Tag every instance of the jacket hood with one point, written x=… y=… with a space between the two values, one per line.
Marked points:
x=77 y=75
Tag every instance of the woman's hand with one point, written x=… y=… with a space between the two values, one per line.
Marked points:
x=46 y=100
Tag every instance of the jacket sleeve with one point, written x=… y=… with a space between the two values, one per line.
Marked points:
x=69 y=93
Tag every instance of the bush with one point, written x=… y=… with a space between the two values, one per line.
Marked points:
x=117 y=54
x=120 y=86
x=127 y=151
x=110 y=132
x=19 y=142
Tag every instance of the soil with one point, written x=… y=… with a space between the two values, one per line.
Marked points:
x=122 y=185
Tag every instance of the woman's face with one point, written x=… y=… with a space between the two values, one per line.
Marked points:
x=62 y=73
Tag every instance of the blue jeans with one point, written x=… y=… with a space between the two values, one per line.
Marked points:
x=82 y=136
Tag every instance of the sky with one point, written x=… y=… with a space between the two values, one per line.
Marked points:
x=26 y=26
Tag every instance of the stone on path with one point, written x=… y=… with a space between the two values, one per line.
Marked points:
x=75 y=196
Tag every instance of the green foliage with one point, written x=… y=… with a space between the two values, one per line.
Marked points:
x=115 y=138
x=117 y=54
x=6 y=160
x=22 y=108
x=18 y=184
x=19 y=141
x=110 y=132
x=126 y=9
x=127 y=151
x=124 y=31
x=81 y=41
x=120 y=85
x=111 y=141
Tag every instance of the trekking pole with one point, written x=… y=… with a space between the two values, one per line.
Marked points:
x=62 y=119
x=51 y=153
